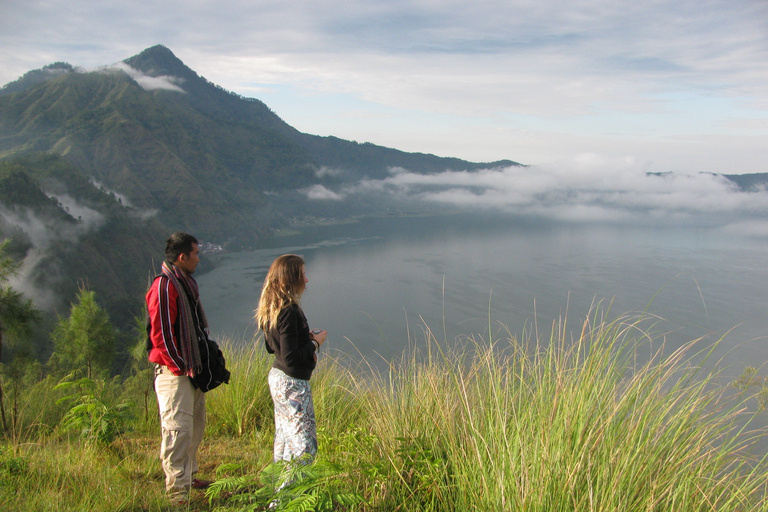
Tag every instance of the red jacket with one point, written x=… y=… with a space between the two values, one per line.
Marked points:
x=163 y=335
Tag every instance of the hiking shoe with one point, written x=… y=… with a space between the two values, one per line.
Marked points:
x=179 y=500
x=200 y=484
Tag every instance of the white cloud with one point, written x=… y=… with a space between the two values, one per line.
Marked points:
x=142 y=214
x=752 y=227
x=589 y=187
x=145 y=214
x=324 y=171
x=34 y=227
x=88 y=217
x=42 y=234
x=150 y=83
x=121 y=197
x=319 y=192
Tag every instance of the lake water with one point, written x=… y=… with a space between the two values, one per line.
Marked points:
x=375 y=284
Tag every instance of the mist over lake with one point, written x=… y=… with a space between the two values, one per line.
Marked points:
x=377 y=284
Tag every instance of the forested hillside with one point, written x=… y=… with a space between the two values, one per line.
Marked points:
x=75 y=233
x=162 y=136
x=98 y=167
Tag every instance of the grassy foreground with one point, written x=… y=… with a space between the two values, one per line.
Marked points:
x=577 y=422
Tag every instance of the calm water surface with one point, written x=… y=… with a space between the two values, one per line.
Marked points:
x=377 y=285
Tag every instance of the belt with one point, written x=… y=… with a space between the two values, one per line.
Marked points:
x=159 y=368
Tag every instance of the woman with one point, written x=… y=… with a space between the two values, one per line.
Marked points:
x=287 y=336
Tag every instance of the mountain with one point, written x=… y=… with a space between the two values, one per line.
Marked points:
x=97 y=168
x=37 y=76
x=153 y=130
x=160 y=148
x=74 y=233
x=749 y=182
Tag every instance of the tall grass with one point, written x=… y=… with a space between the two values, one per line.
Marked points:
x=242 y=407
x=593 y=420
x=570 y=424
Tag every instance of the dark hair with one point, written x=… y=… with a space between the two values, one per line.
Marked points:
x=177 y=244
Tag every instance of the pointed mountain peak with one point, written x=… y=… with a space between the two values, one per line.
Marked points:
x=160 y=61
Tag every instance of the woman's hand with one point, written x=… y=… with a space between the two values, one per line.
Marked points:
x=318 y=335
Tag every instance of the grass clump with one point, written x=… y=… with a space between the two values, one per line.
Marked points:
x=244 y=406
x=571 y=424
x=591 y=420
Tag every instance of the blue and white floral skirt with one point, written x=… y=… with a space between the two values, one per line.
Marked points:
x=295 y=429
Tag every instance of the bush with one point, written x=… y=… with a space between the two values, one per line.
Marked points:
x=91 y=414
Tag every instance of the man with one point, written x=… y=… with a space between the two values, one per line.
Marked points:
x=176 y=323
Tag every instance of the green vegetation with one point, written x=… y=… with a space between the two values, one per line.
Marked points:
x=77 y=234
x=230 y=158
x=84 y=340
x=96 y=421
x=95 y=172
x=575 y=422
x=17 y=314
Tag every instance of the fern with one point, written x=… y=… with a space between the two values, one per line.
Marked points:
x=288 y=487
x=97 y=421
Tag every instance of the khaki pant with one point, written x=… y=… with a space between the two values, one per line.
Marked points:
x=182 y=420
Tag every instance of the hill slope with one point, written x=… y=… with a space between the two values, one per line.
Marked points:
x=96 y=168
x=164 y=137
x=73 y=233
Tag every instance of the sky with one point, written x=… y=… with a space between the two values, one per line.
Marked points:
x=670 y=85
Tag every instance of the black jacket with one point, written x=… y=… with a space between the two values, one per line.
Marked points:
x=290 y=341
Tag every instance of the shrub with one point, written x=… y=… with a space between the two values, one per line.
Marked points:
x=97 y=420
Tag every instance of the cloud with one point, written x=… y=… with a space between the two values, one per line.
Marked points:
x=126 y=202
x=324 y=171
x=144 y=214
x=752 y=227
x=43 y=297
x=588 y=187
x=319 y=192
x=150 y=83
x=120 y=197
x=89 y=219
x=42 y=234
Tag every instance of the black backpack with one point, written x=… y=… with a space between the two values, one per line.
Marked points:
x=214 y=372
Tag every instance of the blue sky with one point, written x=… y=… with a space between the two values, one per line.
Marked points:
x=669 y=85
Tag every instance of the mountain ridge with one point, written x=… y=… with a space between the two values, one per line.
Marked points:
x=97 y=167
x=153 y=117
x=112 y=160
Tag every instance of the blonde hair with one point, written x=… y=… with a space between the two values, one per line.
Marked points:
x=283 y=286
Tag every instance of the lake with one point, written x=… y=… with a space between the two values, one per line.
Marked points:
x=377 y=284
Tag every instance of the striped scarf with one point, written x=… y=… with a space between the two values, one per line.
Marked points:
x=187 y=290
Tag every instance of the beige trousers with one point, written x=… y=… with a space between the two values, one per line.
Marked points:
x=182 y=420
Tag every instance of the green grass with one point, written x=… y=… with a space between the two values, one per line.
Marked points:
x=595 y=419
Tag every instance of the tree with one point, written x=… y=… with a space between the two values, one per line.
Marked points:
x=86 y=339
x=141 y=373
x=17 y=314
